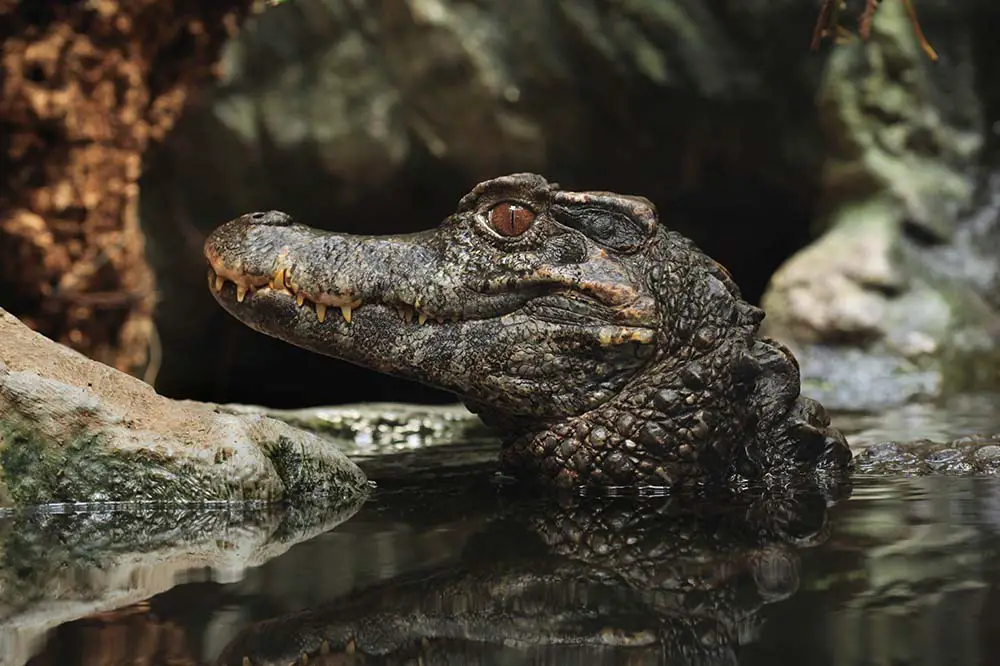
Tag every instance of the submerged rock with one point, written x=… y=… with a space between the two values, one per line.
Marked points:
x=971 y=455
x=72 y=429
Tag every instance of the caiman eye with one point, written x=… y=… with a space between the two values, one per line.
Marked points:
x=511 y=219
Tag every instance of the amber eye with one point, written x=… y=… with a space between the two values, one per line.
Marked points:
x=510 y=219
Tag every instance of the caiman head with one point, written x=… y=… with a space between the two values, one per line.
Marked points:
x=550 y=313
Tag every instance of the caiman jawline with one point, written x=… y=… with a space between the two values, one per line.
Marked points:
x=280 y=285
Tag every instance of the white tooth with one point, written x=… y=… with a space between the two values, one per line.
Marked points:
x=346 y=311
x=321 y=312
x=241 y=293
x=219 y=281
x=300 y=299
x=421 y=319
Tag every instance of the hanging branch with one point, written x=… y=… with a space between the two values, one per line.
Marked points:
x=828 y=23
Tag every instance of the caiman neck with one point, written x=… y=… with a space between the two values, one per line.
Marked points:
x=732 y=411
x=676 y=420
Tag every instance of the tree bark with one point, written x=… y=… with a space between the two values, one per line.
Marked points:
x=87 y=86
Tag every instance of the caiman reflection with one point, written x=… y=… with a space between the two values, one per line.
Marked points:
x=578 y=580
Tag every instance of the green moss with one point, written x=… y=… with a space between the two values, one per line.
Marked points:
x=35 y=470
x=303 y=474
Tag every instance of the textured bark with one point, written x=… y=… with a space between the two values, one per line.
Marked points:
x=87 y=87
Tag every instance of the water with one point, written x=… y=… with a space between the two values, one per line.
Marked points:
x=443 y=565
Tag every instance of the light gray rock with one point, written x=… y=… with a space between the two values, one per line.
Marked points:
x=72 y=430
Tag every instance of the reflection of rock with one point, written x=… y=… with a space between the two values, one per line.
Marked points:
x=906 y=272
x=920 y=556
x=571 y=579
x=72 y=429
x=58 y=567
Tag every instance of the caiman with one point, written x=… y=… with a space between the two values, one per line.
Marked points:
x=604 y=348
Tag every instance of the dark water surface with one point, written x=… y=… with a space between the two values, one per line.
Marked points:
x=445 y=566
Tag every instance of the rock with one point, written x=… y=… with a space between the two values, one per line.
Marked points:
x=377 y=428
x=74 y=430
x=904 y=285
x=88 y=86
x=970 y=455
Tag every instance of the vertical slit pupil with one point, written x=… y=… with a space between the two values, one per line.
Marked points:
x=511 y=219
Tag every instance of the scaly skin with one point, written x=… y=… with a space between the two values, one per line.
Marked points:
x=604 y=348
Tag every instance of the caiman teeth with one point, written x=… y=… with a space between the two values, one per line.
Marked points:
x=278 y=281
x=281 y=281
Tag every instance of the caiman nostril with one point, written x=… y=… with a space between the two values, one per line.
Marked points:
x=274 y=218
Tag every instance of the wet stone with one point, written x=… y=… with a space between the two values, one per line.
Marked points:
x=988 y=454
x=944 y=458
x=969 y=439
x=883 y=451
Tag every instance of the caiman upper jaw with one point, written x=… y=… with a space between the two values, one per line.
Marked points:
x=250 y=254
